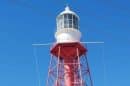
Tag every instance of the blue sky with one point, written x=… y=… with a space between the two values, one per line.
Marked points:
x=23 y=22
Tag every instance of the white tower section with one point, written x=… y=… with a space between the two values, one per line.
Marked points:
x=67 y=27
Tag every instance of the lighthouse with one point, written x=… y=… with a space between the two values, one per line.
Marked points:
x=68 y=63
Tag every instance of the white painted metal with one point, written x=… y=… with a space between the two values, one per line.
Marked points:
x=67 y=35
x=96 y=42
x=70 y=34
x=67 y=10
x=45 y=44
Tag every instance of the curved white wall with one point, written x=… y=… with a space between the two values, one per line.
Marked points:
x=69 y=35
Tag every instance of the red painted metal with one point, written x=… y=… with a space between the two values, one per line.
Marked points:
x=69 y=66
x=68 y=71
x=68 y=50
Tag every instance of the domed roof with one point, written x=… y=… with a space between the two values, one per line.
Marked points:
x=68 y=11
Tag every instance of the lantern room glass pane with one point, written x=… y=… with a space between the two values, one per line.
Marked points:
x=65 y=16
x=67 y=20
x=70 y=23
x=75 y=22
x=60 y=22
x=69 y=16
x=66 y=23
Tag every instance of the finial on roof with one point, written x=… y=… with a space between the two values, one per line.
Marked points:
x=67 y=7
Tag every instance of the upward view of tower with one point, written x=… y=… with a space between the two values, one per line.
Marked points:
x=68 y=64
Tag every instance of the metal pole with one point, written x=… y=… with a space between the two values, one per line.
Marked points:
x=79 y=64
x=49 y=70
x=58 y=66
x=89 y=71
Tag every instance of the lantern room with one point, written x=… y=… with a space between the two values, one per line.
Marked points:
x=67 y=19
x=67 y=27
